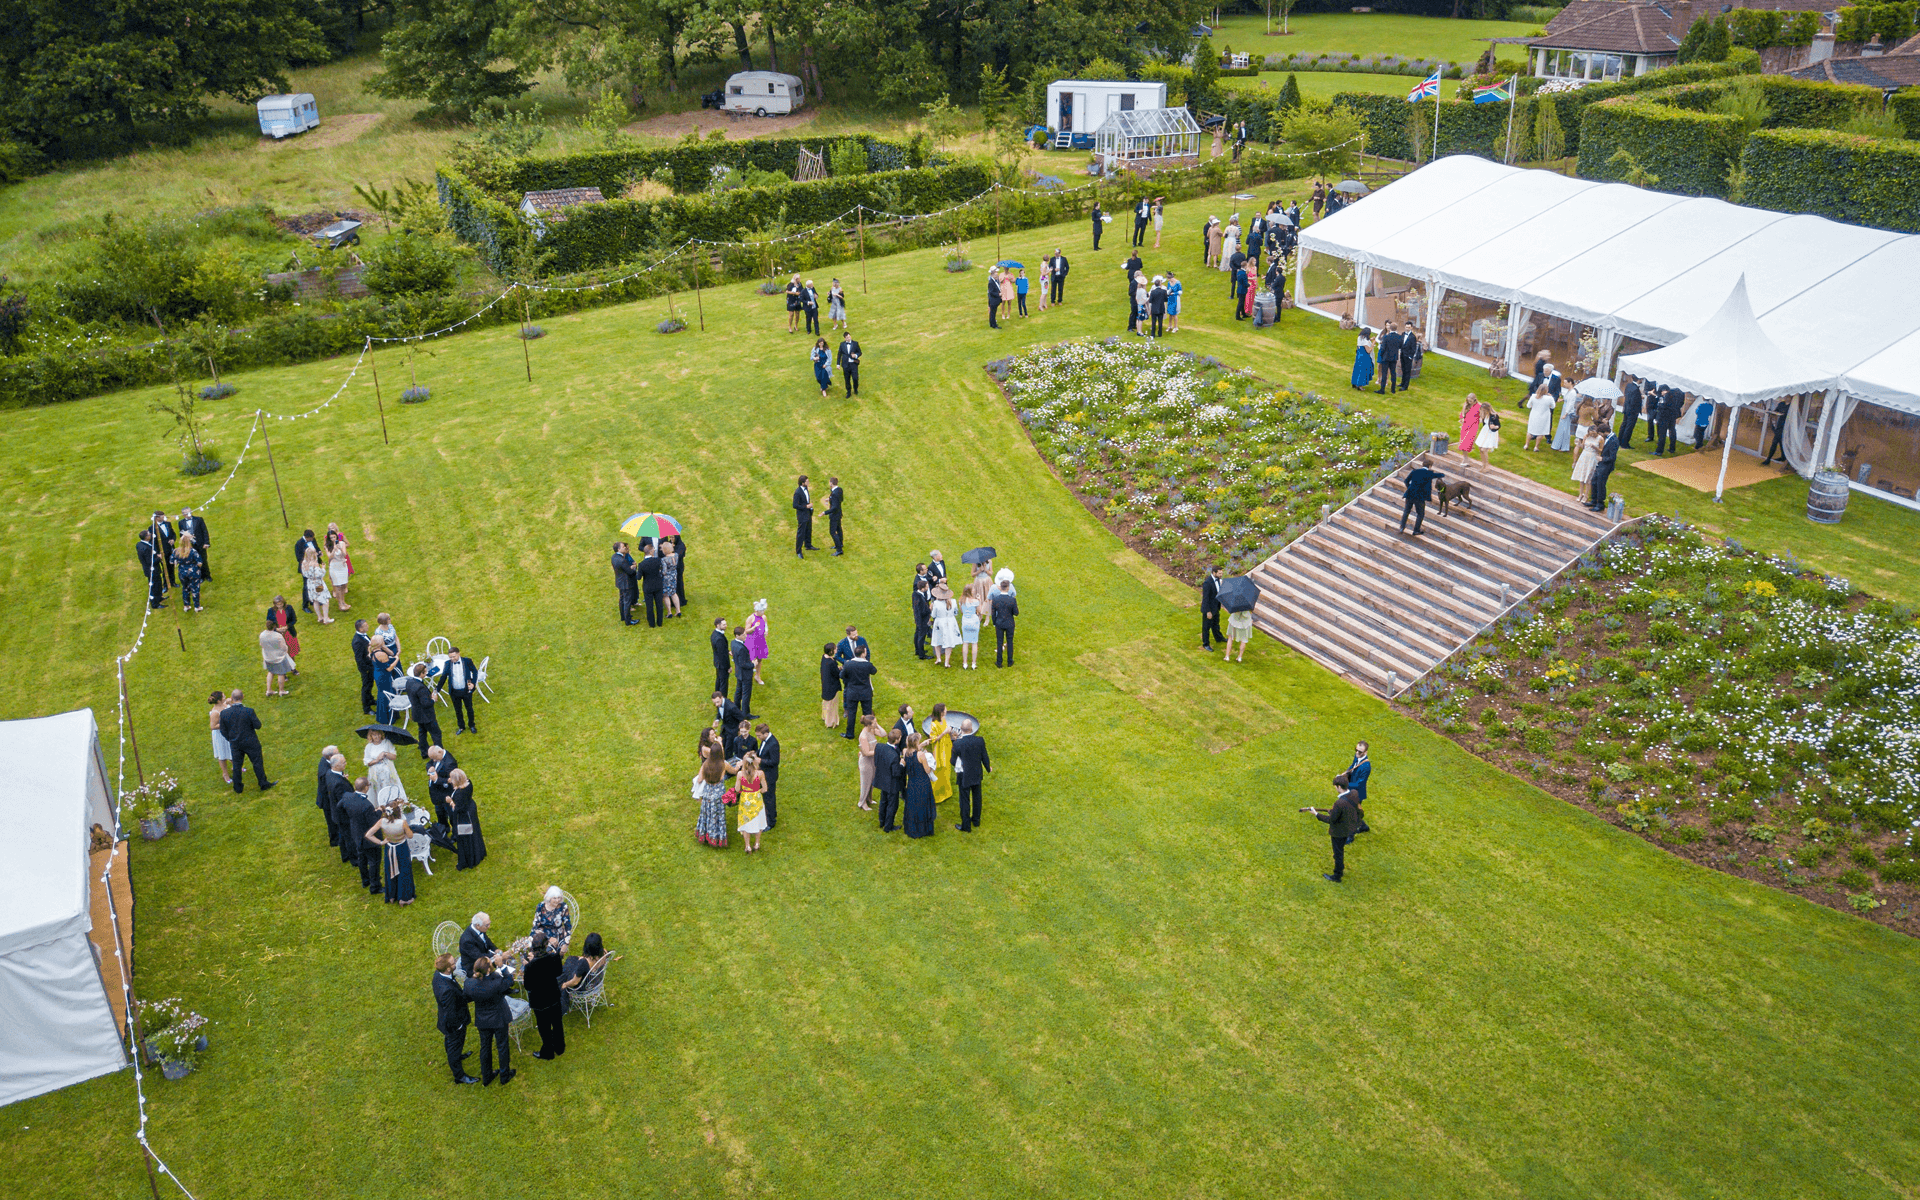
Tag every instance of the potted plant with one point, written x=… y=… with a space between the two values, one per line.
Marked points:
x=178 y=817
x=174 y=1036
x=153 y=822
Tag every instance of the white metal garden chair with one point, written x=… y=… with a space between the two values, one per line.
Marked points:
x=573 y=910
x=518 y=1025
x=398 y=705
x=481 y=679
x=420 y=846
x=592 y=992
x=446 y=940
x=437 y=646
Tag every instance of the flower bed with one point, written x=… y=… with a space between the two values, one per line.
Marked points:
x=1189 y=461
x=1730 y=706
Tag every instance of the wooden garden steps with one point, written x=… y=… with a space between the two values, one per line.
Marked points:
x=1383 y=608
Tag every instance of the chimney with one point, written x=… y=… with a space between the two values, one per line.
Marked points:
x=1822 y=48
x=1873 y=49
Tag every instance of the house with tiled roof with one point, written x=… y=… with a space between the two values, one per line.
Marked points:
x=1611 y=39
x=1874 y=66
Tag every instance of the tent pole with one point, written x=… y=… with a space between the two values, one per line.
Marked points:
x=1513 y=102
x=860 y=228
x=1726 y=452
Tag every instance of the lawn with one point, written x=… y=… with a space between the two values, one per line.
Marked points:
x=1366 y=34
x=1325 y=85
x=1131 y=982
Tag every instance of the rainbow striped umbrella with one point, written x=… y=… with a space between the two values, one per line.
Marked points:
x=650 y=525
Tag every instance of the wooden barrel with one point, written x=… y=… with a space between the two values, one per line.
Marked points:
x=1827 y=497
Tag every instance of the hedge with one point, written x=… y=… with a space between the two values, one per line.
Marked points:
x=1794 y=103
x=1859 y=180
x=1465 y=127
x=692 y=163
x=1689 y=151
x=1906 y=106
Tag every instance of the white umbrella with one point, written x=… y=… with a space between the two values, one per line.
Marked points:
x=1599 y=388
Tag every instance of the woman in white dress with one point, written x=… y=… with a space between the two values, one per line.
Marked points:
x=1584 y=463
x=1231 y=243
x=383 y=778
x=317 y=593
x=1239 y=629
x=946 y=628
x=1159 y=218
x=1539 y=417
x=973 y=602
x=1488 y=439
x=339 y=566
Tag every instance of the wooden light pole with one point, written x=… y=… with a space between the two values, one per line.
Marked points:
x=264 y=436
x=860 y=226
x=382 y=403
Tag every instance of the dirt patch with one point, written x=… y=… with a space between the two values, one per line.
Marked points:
x=706 y=120
x=307 y=224
x=333 y=131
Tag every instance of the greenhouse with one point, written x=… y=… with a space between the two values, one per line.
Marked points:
x=1148 y=139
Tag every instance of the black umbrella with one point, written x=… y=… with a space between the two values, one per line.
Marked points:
x=398 y=737
x=1238 y=594
x=980 y=554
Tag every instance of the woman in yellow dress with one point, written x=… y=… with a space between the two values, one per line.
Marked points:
x=940 y=744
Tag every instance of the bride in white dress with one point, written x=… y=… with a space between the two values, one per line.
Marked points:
x=383 y=778
x=1231 y=244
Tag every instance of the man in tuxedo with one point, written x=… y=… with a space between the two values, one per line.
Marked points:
x=462 y=681
x=1157 y=305
x=886 y=778
x=851 y=646
x=487 y=987
x=323 y=792
x=970 y=767
x=1779 y=422
x=810 y=305
x=1210 y=609
x=651 y=586
x=339 y=786
x=1142 y=213
x=542 y=977
x=363 y=659
x=475 y=944
x=729 y=715
x=153 y=568
x=1668 y=412
x=357 y=816
x=1005 y=609
x=936 y=568
x=196 y=528
x=440 y=768
x=1343 y=822
x=1057 y=268
x=803 y=519
x=856 y=677
x=1602 y=472
x=993 y=298
x=742 y=673
x=241 y=727
x=1419 y=491
x=453 y=1017
x=1409 y=354
x=848 y=359
x=904 y=725
x=420 y=694
x=722 y=661
x=770 y=766
x=300 y=547
x=627 y=580
x=1389 y=361
x=922 y=616
x=1630 y=412
x=836 y=496
x=163 y=537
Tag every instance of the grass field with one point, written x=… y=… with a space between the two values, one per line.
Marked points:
x=1131 y=982
x=1325 y=85
x=1365 y=34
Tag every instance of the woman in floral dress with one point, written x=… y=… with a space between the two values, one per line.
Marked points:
x=187 y=563
x=709 y=786
x=317 y=593
x=753 y=806
x=670 y=578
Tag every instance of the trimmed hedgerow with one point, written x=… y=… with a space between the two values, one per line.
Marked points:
x=1906 y=106
x=692 y=163
x=1860 y=180
x=1689 y=151
x=1794 y=103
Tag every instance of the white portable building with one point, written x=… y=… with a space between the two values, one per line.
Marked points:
x=1079 y=107
x=61 y=1025
x=281 y=116
x=764 y=93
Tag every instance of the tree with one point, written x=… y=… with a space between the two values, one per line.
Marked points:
x=943 y=120
x=79 y=71
x=1325 y=141
x=993 y=96
x=1289 y=95
x=1718 y=42
x=1744 y=101
x=1205 y=79
x=1549 y=139
x=409 y=264
x=444 y=52
x=1690 y=45
x=494 y=142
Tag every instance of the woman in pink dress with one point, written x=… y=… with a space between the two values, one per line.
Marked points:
x=1469 y=426
x=755 y=637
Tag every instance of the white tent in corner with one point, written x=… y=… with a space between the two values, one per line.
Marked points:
x=59 y=1025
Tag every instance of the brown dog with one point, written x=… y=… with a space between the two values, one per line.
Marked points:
x=1452 y=492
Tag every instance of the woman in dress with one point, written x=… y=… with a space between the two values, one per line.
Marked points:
x=1583 y=464
x=1363 y=359
x=1469 y=426
x=1239 y=629
x=946 y=629
x=274 y=656
x=339 y=566
x=383 y=777
x=939 y=744
x=1044 y=281
x=552 y=917
x=1007 y=292
x=187 y=564
x=592 y=954
x=394 y=840
x=1585 y=414
x=1539 y=418
x=670 y=578
x=753 y=804
x=970 y=604
x=795 y=302
x=285 y=619
x=821 y=358
x=837 y=304
x=919 y=814
x=869 y=738
x=1159 y=218
x=1229 y=242
x=1173 y=303
x=709 y=788
x=316 y=577
x=222 y=752
x=829 y=687
x=679 y=570
x=1563 y=432
x=384 y=673
x=470 y=845
x=754 y=634
x=1488 y=439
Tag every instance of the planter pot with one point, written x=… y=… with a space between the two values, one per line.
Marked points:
x=1827 y=497
x=200 y=1043
x=153 y=831
x=173 y=1068
x=179 y=823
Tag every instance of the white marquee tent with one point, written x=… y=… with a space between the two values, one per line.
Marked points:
x=1650 y=266
x=60 y=1025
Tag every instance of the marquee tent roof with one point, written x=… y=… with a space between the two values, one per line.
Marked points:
x=1647 y=265
x=1730 y=359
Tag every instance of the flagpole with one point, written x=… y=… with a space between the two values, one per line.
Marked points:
x=1513 y=102
x=1436 y=125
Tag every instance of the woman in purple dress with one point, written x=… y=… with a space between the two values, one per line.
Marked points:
x=755 y=636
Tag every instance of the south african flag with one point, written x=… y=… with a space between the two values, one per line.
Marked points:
x=1493 y=93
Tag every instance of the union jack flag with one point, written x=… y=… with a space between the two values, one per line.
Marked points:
x=1429 y=88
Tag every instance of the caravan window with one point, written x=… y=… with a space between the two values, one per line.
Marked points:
x=1126 y=102
x=734 y=91
x=769 y=89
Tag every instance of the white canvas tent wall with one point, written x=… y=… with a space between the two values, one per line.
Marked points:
x=59 y=1026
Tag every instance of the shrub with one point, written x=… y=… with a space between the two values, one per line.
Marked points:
x=1538 y=740
x=671 y=325
x=409 y=264
x=1762 y=833
x=414 y=395
x=531 y=332
x=1690 y=152
x=217 y=391
x=1860 y=180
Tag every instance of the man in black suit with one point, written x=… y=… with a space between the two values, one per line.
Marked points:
x=1409 y=355
x=729 y=715
x=970 y=768
x=153 y=568
x=1057 y=268
x=420 y=694
x=936 y=568
x=652 y=588
x=856 y=677
x=1602 y=470
x=357 y=816
x=339 y=787
x=306 y=541
x=462 y=681
x=722 y=661
x=848 y=359
x=1099 y=224
x=1142 y=213
x=836 y=496
x=1630 y=412
x=1343 y=822
x=475 y=944
x=886 y=777
x=993 y=298
x=323 y=792
x=922 y=616
x=241 y=727
x=1005 y=609
x=851 y=646
x=742 y=673
x=770 y=766
x=904 y=725
x=196 y=528
x=487 y=988
x=542 y=977
x=1210 y=609
x=1419 y=491
x=1389 y=361
x=803 y=519
x=1157 y=305
x=453 y=1017
x=440 y=767
x=1779 y=415
x=627 y=580
x=362 y=658
x=163 y=537
x=1668 y=412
